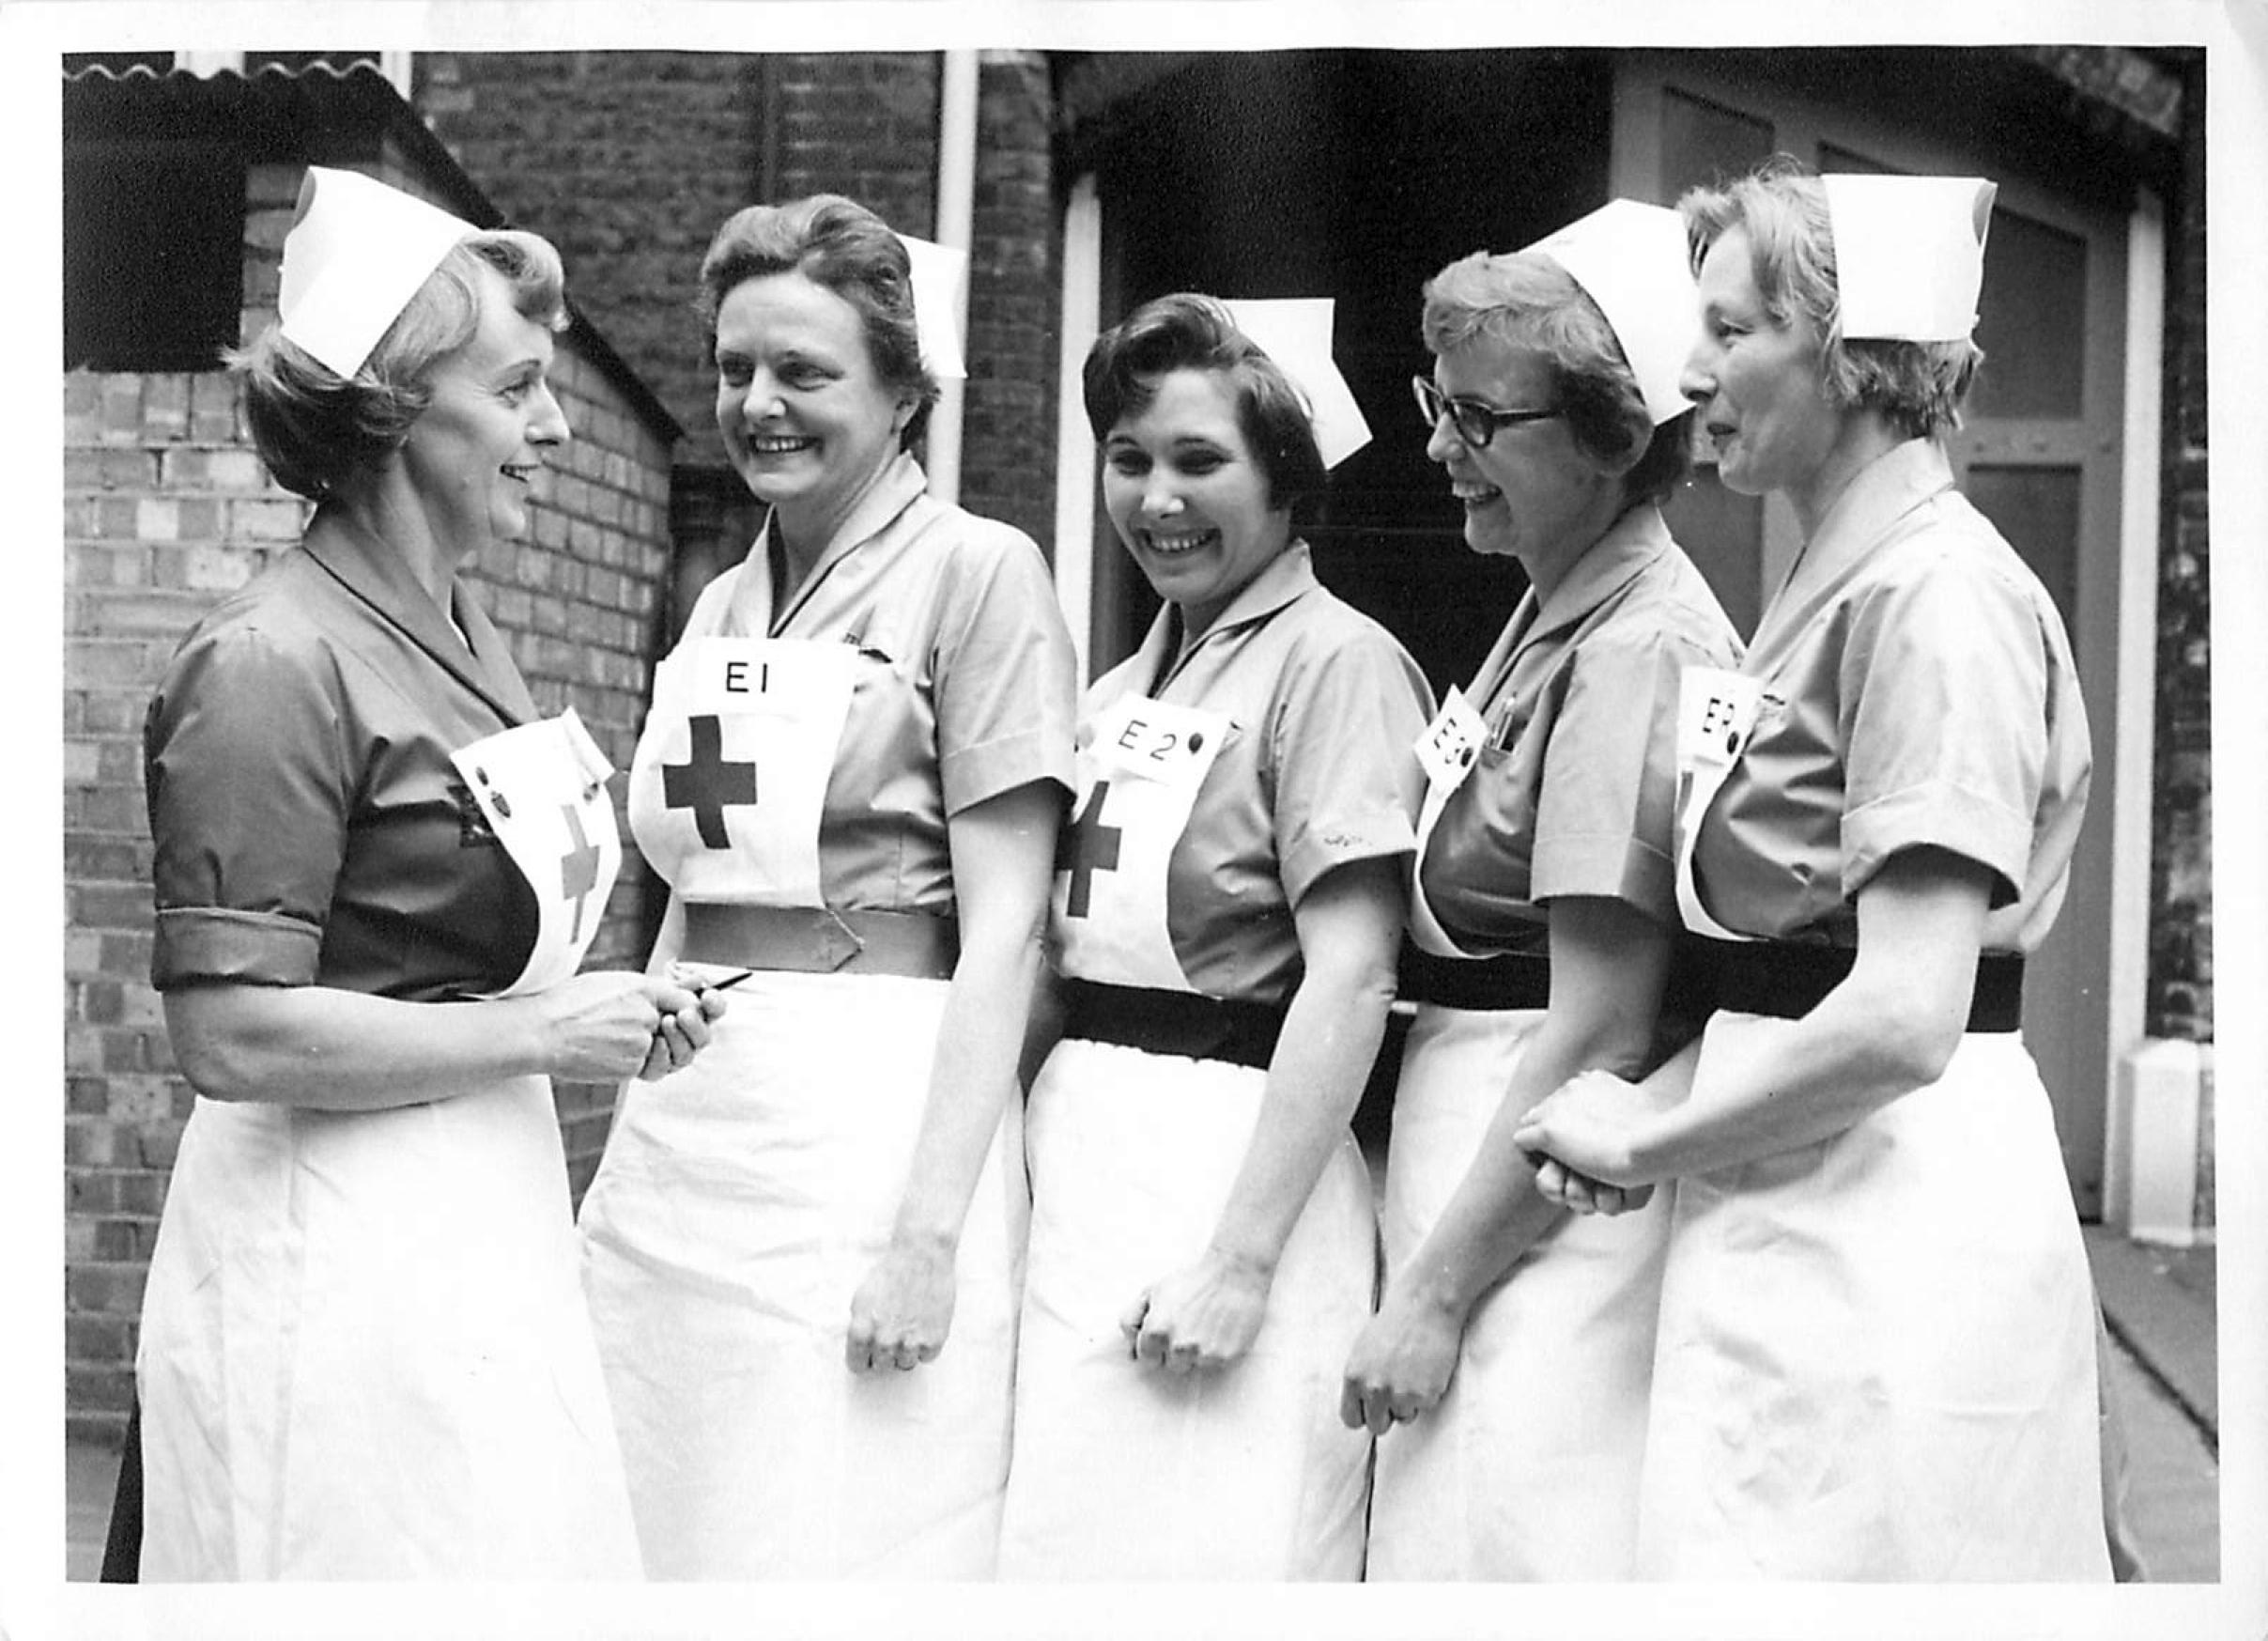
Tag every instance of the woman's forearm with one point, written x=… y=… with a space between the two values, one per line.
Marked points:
x=327 y=1049
x=979 y=1037
x=1332 y=1032
x=1608 y=964
x=1003 y=853
x=1889 y=1027
x=1496 y=1214
x=1350 y=926
x=1855 y=1052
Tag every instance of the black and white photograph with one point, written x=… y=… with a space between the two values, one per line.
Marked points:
x=976 y=820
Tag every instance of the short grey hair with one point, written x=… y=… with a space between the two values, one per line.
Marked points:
x=1917 y=386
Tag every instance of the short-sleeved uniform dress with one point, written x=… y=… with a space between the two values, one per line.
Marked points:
x=1214 y=790
x=1876 y=1356
x=800 y=754
x=365 y=1352
x=1528 y=1467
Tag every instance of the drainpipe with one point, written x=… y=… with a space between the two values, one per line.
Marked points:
x=956 y=213
x=1082 y=307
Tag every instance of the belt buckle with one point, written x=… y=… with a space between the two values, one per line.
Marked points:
x=835 y=944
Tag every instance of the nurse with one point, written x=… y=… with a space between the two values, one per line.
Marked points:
x=1513 y=1349
x=1877 y=1352
x=803 y=1255
x=365 y=1353
x=1227 y=909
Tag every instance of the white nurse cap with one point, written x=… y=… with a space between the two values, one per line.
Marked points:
x=356 y=252
x=1632 y=261
x=1295 y=332
x=940 y=289
x=1910 y=255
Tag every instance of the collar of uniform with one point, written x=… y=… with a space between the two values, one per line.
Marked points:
x=380 y=577
x=897 y=487
x=1634 y=541
x=1282 y=579
x=1287 y=576
x=1880 y=495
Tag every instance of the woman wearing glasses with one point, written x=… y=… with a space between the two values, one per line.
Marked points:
x=1512 y=1347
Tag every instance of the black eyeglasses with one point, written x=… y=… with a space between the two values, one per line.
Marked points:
x=1476 y=423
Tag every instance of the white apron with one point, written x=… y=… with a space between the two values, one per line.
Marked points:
x=1123 y=1470
x=1877 y=1356
x=1528 y=1467
x=740 y=1203
x=365 y=1353
x=741 y=1200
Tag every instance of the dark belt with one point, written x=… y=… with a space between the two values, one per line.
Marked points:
x=1509 y=979
x=1787 y=981
x=819 y=940
x=1172 y=1022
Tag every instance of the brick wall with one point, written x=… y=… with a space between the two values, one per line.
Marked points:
x=167 y=507
x=1008 y=424
x=628 y=161
x=2180 y=990
x=863 y=124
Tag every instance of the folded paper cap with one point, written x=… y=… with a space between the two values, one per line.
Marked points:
x=356 y=252
x=1632 y=261
x=940 y=291
x=1295 y=332
x=1910 y=255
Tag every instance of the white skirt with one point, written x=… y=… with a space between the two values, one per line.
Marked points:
x=739 y=1205
x=365 y=1353
x=1122 y=1470
x=1877 y=1352
x=1528 y=1467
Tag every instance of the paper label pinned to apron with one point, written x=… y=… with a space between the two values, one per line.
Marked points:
x=543 y=790
x=1135 y=780
x=1446 y=753
x=1715 y=715
x=731 y=776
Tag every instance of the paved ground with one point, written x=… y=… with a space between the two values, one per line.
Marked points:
x=2174 y=1491
x=2161 y=1306
x=2161 y=1309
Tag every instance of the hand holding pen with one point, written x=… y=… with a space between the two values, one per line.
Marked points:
x=682 y=1034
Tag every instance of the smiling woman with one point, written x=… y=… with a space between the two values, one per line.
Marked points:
x=803 y=1256
x=487 y=432
x=1543 y=916
x=807 y=419
x=364 y=1350
x=1226 y=915
x=1187 y=499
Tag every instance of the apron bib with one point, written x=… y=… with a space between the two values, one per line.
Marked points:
x=543 y=789
x=1135 y=783
x=730 y=774
x=1715 y=715
x=1446 y=753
